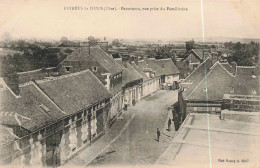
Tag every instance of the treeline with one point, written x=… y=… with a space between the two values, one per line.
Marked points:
x=244 y=54
x=30 y=57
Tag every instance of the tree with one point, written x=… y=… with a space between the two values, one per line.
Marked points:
x=190 y=45
x=64 y=39
x=92 y=40
x=244 y=54
x=6 y=37
x=116 y=42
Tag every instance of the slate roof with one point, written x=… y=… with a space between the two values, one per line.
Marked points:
x=162 y=66
x=97 y=54
x=76 y=91
x=130 y=74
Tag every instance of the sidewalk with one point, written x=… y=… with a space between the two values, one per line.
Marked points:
x=171 y=132
x=86 y=156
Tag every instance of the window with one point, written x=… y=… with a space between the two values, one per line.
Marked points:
x=67 y=69
x=253 y=92
x=218 y=109
x=94 y=69
x=195 y=109
x=231 y=90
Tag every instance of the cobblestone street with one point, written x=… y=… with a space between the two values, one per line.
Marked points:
x=132 y=140
x=137 y=144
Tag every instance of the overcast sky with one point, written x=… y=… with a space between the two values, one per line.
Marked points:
x=47 y=19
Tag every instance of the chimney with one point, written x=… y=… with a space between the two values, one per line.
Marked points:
x=85 y=44
x=135 y=59
x=234 y=65
x=103 y=45
x=125 y=60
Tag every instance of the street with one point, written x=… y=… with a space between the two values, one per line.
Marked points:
x=137 y=143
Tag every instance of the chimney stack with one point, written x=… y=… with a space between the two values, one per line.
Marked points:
x=85 y=44
x=103 y=45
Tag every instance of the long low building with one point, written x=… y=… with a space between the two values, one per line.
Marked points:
x=52 y=119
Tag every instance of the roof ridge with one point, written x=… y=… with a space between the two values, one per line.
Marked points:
x=246 y=66
x=36 y=70
x=206 y=76
x=227 y=71
x=100 y=82
x=111 y=58
x=196 y=68
x=8 y=88
x=25 y=84
x=164 y=59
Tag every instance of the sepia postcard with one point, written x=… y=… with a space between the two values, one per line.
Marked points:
x=130 y=83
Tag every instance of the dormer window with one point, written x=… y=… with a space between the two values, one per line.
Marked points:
x=253 y=92
x=67 y=69
x=205 y=89
x=94 y=69
x=231 y=90
x=44 y=108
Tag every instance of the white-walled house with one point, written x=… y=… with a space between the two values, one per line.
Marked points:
x=151 y=83
x=165 y=69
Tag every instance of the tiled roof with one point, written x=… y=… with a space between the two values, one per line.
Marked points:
x=26 y=110
x=130 y=74
x=97 y=54
x=214 y=85
x=140 y=68
x=247 y=71
x=183 y=68
x=163 y=66
x=119 y=61
x=201 y=53
x=76 y=91
x=196 y=76
x=229 y=68
x=217 y=82
x=6 y=136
